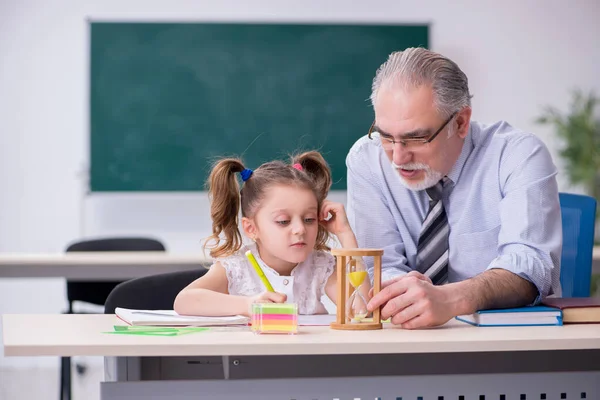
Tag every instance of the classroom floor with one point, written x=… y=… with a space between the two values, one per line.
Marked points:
x=16 y=382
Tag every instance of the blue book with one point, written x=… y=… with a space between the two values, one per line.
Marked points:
x=521 y=316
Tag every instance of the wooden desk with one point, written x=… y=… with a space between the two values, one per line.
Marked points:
x=96 y=266
x=320 y=363
x=75 y=335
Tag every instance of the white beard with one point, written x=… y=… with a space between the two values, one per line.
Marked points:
x=431 y=178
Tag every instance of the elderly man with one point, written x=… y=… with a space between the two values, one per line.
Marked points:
x=467 y=213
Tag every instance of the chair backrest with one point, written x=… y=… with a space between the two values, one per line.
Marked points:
x=578 y=223
x=117 y=244
x=96 y=292
x=154 y=292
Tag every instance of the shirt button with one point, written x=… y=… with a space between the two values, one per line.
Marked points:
x=285 y=282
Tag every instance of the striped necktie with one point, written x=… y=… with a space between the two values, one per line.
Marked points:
x=432 y=250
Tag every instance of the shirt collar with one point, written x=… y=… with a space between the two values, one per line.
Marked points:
x=467 y=148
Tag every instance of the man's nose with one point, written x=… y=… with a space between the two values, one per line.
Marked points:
x=400 y=155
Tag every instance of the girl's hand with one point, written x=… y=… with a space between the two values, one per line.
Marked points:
x=333 y=217
x=266 y=297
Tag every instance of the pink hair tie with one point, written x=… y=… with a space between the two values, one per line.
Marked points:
x=298 y=167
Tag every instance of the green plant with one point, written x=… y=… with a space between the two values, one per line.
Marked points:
x=580 y=131
x=595 y=286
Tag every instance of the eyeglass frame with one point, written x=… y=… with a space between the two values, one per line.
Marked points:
x=404 y=142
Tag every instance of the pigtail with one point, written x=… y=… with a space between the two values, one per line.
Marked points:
x=316 y=167
x=224 y=195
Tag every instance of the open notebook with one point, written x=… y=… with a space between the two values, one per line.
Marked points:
x=171 y=318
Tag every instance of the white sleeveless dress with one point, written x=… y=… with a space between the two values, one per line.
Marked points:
x=305 y=285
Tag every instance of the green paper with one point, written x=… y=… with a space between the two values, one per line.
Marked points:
x=154 y=330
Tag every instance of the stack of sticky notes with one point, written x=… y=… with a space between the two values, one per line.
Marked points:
x=274 y=318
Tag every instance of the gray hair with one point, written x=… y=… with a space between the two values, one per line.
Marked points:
x=414 y=67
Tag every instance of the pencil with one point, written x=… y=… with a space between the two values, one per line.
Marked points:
x=259 y=271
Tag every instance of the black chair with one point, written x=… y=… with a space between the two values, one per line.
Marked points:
x=155 y=292
x=96 y=292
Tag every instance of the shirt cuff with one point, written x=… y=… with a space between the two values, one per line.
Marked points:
x=389 y=274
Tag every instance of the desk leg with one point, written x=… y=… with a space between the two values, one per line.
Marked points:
x=122 y=369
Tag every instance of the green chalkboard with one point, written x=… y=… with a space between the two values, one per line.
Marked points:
x=167 y=99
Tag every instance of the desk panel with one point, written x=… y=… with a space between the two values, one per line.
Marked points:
x=550 y=386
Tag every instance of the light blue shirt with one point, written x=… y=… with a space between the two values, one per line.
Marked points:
x=501 y=202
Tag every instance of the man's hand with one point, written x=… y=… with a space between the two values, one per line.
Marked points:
x=414 y=302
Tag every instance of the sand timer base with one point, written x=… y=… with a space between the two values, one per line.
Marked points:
x=360 y=326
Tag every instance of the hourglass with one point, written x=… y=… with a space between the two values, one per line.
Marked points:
x=351 y=276
x=356 y=306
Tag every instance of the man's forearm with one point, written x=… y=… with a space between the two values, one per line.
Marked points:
x=494 y=288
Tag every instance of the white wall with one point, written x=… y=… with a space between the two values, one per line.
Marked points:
x=519 y=55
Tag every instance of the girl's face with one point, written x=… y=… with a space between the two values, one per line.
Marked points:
x=285 y=226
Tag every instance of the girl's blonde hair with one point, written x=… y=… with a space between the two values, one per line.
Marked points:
x=226 y=196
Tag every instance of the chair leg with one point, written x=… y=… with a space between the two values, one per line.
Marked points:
x=65 y=369
x=65 y=378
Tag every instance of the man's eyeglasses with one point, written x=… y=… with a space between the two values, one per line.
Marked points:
x=388 y=142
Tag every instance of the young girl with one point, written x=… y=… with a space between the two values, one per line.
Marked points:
x=285 y=214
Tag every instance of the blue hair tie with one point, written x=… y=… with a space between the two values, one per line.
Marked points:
x=246 y=174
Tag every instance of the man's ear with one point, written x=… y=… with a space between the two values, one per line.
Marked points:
x=463 y=120
x=249 y=228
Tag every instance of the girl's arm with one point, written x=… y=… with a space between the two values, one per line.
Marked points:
x=338 y=225
x=348 y=241
x=208 y=296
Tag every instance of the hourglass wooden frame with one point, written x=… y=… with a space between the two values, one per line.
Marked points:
x=344 y=289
